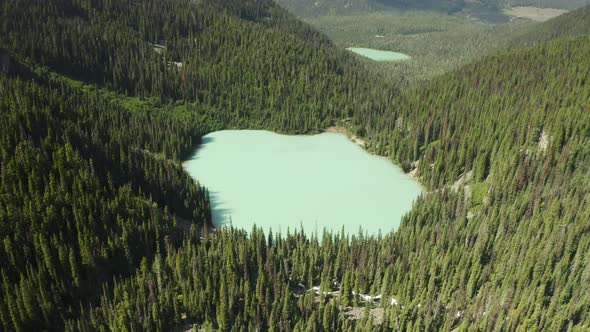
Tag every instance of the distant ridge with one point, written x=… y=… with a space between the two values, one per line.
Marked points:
x=574 y=23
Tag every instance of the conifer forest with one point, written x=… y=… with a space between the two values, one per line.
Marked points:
x=101 y=228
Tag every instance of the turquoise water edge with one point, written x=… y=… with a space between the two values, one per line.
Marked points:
x=282 y=182
x=379 y=55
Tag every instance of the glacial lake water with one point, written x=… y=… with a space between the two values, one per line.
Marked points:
x=379 y=55
x=282 y=182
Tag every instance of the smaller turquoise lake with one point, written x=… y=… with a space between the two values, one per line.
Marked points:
x=379 y=55
x=285 y=182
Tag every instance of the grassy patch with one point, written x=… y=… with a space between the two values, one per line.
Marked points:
x=478 y=191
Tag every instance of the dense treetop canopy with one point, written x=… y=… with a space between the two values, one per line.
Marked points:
x=101 y=228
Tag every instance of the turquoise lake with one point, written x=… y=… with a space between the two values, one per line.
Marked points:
x=379 y=55
x=282 y=182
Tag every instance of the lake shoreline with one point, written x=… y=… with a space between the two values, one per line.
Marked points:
x=335 y=129
x=295 y=161
x=341 y=130
x=363 y=144
x=379 y=55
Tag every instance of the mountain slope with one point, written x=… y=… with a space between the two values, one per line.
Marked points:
x=102 y=230
x=100 y=100
x=506 y=248
x=311 y=8
x=571 y=24
x=498 y=248
x=86 y=192
x=258 y=72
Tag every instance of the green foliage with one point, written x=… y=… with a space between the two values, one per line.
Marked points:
x=436 y=42
x=68 y=224
x=478 y=193
x=101 y=229
x=254 y=61
x=316 y=8
x=571 y=24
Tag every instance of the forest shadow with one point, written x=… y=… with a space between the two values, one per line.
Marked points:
x=220 y=214
x=194 y=155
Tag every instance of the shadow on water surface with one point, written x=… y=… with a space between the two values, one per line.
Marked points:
x=207 y=139
x=204 y=140
x=221 y=215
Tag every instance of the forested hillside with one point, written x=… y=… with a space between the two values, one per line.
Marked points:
x=572 y=24
x=252 y=59
x=86 y=192
x=100 y=102
x=506 y=250
x=314 y=8
x=507 y=245
x=102 y=229
x=311 y=8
